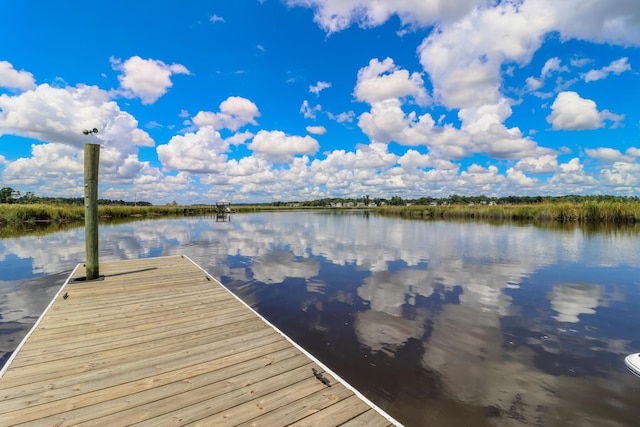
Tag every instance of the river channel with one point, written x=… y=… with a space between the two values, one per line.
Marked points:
x=438 y=322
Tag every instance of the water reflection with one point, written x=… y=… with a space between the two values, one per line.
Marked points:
x=438 y=322
x=569 y=300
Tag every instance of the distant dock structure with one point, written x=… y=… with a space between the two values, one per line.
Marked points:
x=223 y=208
x=223 y=211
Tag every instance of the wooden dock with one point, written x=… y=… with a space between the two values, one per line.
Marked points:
x=160 y=342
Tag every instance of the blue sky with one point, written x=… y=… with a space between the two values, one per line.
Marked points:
x=257 y=101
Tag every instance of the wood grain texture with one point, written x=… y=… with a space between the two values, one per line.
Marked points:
x=159 y=342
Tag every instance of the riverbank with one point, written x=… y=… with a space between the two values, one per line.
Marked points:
x=608 y=212
x=61 y=213
x=627 y=212
x=40 y=219
x=20 y=213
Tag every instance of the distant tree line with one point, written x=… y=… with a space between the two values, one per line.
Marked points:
x=456 y=199
x=9 y=195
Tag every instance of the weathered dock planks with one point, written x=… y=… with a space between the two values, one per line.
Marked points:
x=160 y=342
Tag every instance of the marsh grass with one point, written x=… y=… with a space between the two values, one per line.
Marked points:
x=607 y=212
x=35 y=213
x=18 y=213
x=587 y=212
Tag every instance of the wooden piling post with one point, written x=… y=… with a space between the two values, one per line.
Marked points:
x=91 y=163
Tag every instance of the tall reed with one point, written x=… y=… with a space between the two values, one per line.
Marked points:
x=14 y=213
x=616 y=212
x=587 y=212
x=17 y=213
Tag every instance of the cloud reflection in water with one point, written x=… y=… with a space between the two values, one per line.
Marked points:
x=441 y=322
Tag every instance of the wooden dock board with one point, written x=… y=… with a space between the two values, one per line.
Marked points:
x=160 y=342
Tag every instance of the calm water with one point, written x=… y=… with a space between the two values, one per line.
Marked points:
x=439 y=323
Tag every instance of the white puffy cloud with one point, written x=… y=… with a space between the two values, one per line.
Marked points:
x=345 y=117
x=56 y=169
x=14 y=79
x=543 y=164
x=255 y=176
x=580 y=62
x=59 y=115
x=612 y=155
x=413 y=159
x=319 y=87
x=130 y=167
x=366 y=158
x=633 y=152
x=500 y=142
x=387 y=122
x=56 y=116
x=239 y=138
x=464 y=58
x=278 y=147
x=316 y=130
x=247 y=166
x=552 y=65
x=570 y=179
x=571 y=112
x=479 y=176
x=336 y=15
x=147 y=79
x=51 y=165
x=235 y=112
x=470 y=56
x=308 y=111
x=520 y=180
x=482 y=131
x=616 y=67
x=533 y=83
x=152 y=185
x=199 y=152
x=600 y=21
x=380 y=81
x=621 y=177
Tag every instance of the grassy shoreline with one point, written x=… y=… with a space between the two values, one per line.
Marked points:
x=63 y=213
x=590 y=212
x=31 y=213
x=627 y=212
x=40 y=219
